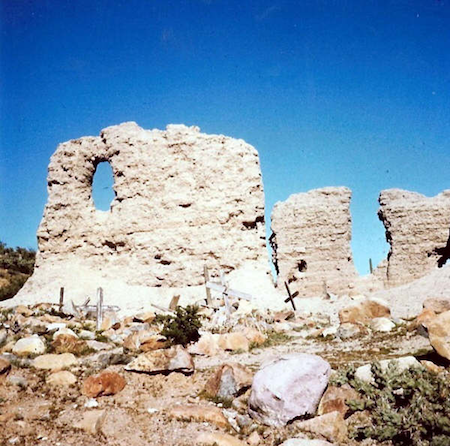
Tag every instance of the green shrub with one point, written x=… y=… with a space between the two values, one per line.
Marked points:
x=18 y=259
x=16 y=282
x=411 y=407
x=182 y=328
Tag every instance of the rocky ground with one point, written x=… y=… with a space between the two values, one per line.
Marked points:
x=63 y=382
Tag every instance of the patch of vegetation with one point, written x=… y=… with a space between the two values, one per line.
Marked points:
x=16 y=265
x=20 y=260
x=272 y=338
x=411 y=407
x=100 y=337
x=182 y=327
x=225 y=402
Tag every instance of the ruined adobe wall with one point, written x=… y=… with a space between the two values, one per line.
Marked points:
x=183 y=199
x=311 y=235
x=418 y=230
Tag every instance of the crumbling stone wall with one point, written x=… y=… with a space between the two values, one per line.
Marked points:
x=182 y=199
x=311 y=235
x=418 y=230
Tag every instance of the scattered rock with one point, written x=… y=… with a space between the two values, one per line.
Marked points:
x=424 y=318
x=234 y=342
x=174 y=359
x=55 y=326
x=63 y=378
x=55 y=361
x=91 y=403
x=209 y=414
x=92 y=421
x=108 y=321
x=5 y=366
x=64 y=331
x=98 y=346
x=208 y=345
x=382 y=324
x=229 y=380
x=66 y=343
x=288 y=388
x=106 y=383
x=364 y=312
x=145 y=317
x=331 y=426
x=23 y=310
x=364 y=373
x=3 y=336
x=348 y=331
x=153 y=342
x=216 y=439
x=305 y=442
x=32 y=345
x=16 y=380
x=254 y=439
x=432 y=367
x=87 y=335
x=439 y=334
x=254 y=336
x=437 y=305
x=335 y=398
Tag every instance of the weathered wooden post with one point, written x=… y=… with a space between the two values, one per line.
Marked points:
x=99 y=307
x=225 y=293
x=61 y=298
x=208 y=291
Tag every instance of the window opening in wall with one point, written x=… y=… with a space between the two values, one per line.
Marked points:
x=102 y=187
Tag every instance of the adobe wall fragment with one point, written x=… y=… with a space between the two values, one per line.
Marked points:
x=311 y=242
x=418 y=230
x=183 y=199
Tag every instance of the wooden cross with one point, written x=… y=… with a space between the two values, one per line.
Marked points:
x=291 y=296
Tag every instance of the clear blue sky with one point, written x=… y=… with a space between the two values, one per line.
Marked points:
x=330 y=92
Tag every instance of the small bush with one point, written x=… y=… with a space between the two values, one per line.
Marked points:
x=12 y=288
x=411 y=407
x=182 y=328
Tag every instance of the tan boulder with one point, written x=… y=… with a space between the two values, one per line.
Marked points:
x=439 y=334
x=146 y=316
x=23 y=310
x=174 y=359
x=364 y=312
x=32 y=345
x=254 y=439
x=335 y=398
x=55 y=361
x=425 y=317
x=106 y=383
x=432 y=367
x=331 y=426
x=228 y=381
x=63 y=378
x=254 y=336
x=92 y=421
x=216 y=439
x=66 y=343
x=207 y=345
x=209 y=414
x=234 y=341
x=437 y=305
x=5 y=366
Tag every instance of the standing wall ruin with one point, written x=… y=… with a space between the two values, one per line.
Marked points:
x=183 y=199
x=418 y=231
x=311 y=235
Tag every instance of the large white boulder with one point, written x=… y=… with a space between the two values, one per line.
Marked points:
x=288 y=388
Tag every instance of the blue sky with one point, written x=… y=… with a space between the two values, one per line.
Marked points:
x=330 y=92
